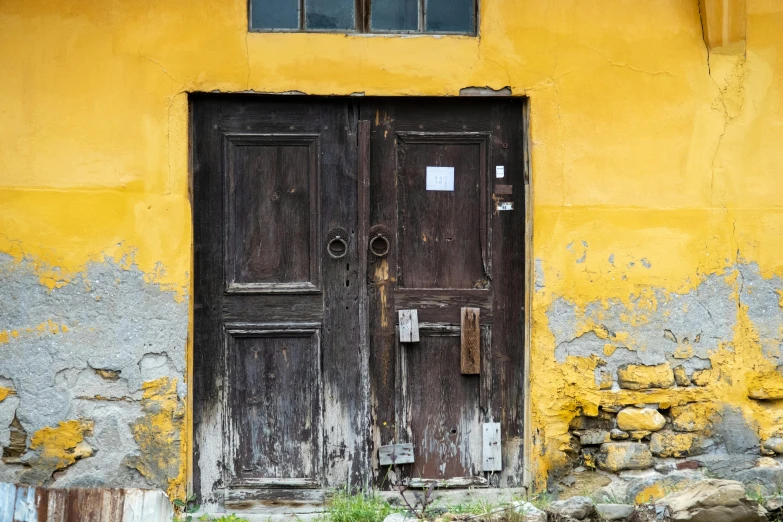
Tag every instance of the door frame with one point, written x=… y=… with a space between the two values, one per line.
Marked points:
x=362 y=232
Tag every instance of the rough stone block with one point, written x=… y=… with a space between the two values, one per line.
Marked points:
x=651 y=488
x=774 y=444
x=638 y=435
x=702 y=377
x=614 y=511
x=593 y=437
x=640 y=377
x=693 y=417
x=672 y=444
x=681 y=376
x=767 y=462
x=579 y=508
x=640 y=419
x=603 y=421
x=766 y=480
x=528 y=512
x=767 y=386
x=616 y=434
x=713 y=501
x=617 y=456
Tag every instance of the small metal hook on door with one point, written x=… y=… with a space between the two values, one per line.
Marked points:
x=379 y=241
x=337 y=243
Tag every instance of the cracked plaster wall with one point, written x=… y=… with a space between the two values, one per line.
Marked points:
x=656 y=161
x=95 y=369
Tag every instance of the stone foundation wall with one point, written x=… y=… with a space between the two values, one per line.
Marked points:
x=667 y=387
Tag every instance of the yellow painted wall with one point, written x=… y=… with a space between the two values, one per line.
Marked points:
x=642 y=147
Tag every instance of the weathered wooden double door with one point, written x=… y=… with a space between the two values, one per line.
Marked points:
x=318 y=224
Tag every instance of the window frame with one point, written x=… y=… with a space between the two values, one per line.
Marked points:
x=363 y=23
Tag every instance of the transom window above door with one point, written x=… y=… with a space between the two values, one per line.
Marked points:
x=365 y=16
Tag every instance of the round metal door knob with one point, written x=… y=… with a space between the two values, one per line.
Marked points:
x=340 y=252
x=337 y=243
x=379 y=246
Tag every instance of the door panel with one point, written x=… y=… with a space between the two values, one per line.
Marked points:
x=441 y=233
x=278 y=395
x=443 y=247
x=272 y=221
x=442 y=407
x=275 y=404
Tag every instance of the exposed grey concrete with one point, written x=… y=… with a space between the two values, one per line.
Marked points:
x=732 y=430
x=697 y=321
x=762 y=299
x=121 y=331
x=539 y=274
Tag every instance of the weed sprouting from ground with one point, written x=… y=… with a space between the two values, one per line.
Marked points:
x=356 y=507
x=226 y=518
x=472 y=507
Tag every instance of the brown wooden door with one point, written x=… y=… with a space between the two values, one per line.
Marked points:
x=299 y=373
x=278 y=389
x=456 y=240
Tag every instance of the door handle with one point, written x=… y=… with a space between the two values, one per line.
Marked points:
x=379 y=244
x=337 y=243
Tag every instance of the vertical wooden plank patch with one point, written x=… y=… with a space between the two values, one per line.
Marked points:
x=492 y=457
x=409 y=326
x=470 y=360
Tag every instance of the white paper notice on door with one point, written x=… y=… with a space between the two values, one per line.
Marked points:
x=440 y=178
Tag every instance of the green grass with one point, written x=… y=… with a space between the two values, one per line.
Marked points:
x=541 y=500
x=475 y=507
x=225 y=518
x=189 y=517
x=359 y=507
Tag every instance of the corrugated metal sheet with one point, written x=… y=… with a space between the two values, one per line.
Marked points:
x=30 y=504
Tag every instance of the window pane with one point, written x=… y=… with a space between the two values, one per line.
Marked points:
x=394 y=15
x=274 y=14
x=451 y=16
x=329 y=14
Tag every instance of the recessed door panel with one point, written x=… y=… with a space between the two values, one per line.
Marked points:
x=272 y=200
x=442 y=407
x=442 y=226
x=274 y=380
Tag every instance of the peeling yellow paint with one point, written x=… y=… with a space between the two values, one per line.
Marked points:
x=159 y=436
x=639 y=377
x=650 y=494
x=683 y=351
x=61 y=446
x=694 y=417
x=46 y=327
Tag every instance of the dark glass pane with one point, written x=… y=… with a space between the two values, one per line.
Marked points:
x=394 y=15
x=453 y=16
x=329 y=14
x=274 y=14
